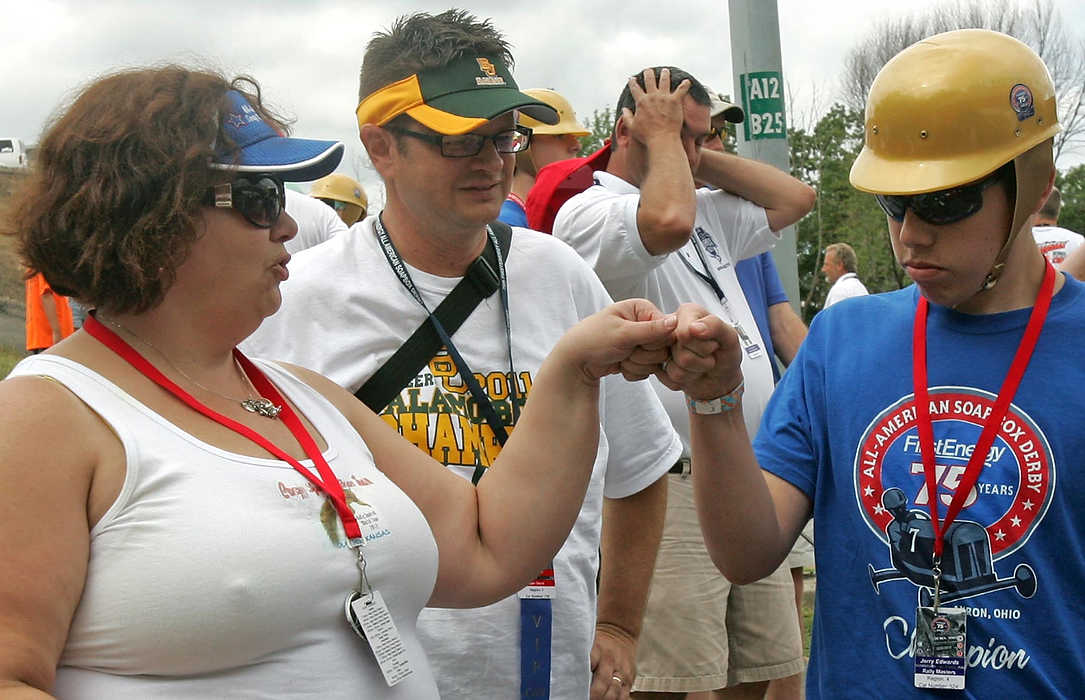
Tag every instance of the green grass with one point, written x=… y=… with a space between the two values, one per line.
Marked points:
x=8 y=357
x=807 y=621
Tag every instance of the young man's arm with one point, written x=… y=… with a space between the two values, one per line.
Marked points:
x=785 y=199
x=750 y=518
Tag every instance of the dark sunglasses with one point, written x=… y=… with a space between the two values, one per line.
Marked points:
x=467 y=145
x=716 y=132
x=261 y=199
x=335 y=204
x=941 y=207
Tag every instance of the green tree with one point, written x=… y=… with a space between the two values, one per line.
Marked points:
x=600 y=124
x=822 y=158
x=1072 y=188
x=1037 y=23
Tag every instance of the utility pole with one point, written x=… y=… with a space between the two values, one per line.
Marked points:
x=759 y=87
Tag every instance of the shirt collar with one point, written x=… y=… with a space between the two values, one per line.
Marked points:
x=614 y=183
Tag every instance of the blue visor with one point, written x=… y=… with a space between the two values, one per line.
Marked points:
x=265 y=150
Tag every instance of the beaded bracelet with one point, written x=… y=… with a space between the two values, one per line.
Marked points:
x=721 y=404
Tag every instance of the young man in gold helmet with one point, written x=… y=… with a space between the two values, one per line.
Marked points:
x=940 y=461
x=549 y=143
x=343 y=194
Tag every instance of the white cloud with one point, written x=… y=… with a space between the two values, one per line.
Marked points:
x=306 y=55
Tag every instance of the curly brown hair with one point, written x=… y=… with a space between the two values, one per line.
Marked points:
x=112 y=206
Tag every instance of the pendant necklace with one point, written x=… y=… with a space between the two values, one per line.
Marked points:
x=252 y=404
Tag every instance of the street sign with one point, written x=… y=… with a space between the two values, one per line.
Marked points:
x=763 y=100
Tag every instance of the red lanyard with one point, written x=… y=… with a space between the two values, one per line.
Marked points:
x=991 y=425
x=327 y=483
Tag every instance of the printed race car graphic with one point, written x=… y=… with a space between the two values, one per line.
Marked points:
x=967 y=567
x=1000 y=513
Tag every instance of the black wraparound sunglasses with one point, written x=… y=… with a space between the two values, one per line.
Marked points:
x=261 y=199
x=941 y=207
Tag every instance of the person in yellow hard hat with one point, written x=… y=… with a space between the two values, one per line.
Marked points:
x=926 y=429
x=343 y=194
x=549 y=143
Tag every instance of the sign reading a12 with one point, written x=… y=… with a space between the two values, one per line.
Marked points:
x=763 y=100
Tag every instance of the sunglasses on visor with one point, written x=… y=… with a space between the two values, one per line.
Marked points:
x=259 y=198
x=941 y=207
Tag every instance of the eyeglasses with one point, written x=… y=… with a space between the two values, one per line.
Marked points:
x=467 y=145
x=716 y=132
x=941 y=207
x=261 y=199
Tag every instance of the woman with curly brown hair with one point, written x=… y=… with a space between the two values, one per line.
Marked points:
x=212 y=525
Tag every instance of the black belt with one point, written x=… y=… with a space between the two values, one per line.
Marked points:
x=682 y=466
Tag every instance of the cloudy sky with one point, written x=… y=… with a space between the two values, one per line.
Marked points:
x=306 y=53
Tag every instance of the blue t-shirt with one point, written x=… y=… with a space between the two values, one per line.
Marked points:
x=761 y=284
x=512 y=214
x=841 y=427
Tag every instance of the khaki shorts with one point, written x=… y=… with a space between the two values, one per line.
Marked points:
x=801 y=555
x=702 y=633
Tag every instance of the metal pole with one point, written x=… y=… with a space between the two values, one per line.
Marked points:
x=759 y=86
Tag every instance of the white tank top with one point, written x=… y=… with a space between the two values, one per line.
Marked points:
x=216 y=574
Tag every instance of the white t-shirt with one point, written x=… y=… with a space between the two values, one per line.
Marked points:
x=216 y=574
x=345 y=312
x=317 y=222
x=1056 y=242
x=845 y=287
x=601 y=224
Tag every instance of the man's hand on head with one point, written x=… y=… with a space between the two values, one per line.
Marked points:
x=659 y=108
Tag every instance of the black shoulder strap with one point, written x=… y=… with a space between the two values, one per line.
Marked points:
x=479 y=283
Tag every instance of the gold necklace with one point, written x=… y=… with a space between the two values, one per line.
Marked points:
x=260 y=406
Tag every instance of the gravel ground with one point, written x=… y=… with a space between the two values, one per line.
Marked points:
x=12 y=331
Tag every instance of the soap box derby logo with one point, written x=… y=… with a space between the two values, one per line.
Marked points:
x=1000 y=512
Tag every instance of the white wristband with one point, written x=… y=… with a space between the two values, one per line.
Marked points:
x=721 y=404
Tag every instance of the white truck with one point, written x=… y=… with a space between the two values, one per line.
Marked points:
x=13 y=153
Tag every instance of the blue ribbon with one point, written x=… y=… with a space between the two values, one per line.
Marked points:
x=536 y=620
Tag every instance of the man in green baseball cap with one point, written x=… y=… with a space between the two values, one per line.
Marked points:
x=438 y=116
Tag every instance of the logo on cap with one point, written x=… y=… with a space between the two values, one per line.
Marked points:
x=1021 y=101
x=487 y=67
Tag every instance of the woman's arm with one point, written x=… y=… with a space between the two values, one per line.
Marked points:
x=495 y=538
x=50 y=446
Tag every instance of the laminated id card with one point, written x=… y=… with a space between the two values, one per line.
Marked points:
x=380 y=631
x=940 y=648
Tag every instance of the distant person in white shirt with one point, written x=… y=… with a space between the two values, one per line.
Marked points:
x=839 y=268
x=1054 y=242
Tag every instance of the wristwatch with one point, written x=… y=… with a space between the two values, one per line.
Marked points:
x=720 y=404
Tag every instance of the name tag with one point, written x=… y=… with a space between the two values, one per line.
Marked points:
x=940 y=648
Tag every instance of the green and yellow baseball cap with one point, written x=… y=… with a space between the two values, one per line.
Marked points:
x=454 y=99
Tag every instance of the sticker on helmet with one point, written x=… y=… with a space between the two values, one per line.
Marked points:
x=1021 y=101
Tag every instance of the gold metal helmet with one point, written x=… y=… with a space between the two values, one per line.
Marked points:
x=953 y=108
x=343 y=194
x=567 y=122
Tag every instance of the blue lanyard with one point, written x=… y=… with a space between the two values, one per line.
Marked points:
x=486 y=408
x=536 y=615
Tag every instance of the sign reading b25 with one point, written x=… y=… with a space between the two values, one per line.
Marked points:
x=763 y=100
